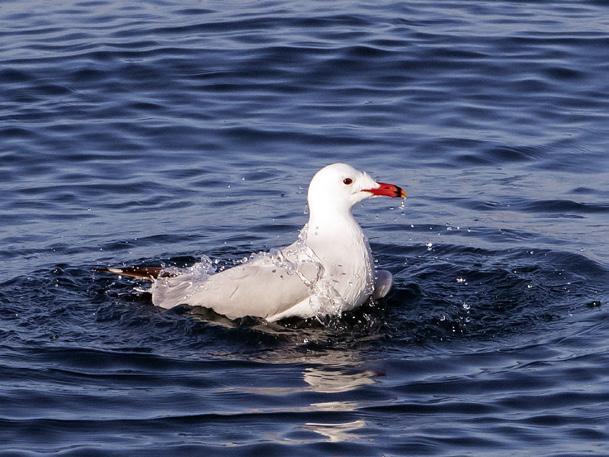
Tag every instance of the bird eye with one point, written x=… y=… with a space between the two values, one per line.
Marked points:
x=347 y=181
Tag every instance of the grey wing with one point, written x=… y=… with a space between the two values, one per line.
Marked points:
x=259 y=288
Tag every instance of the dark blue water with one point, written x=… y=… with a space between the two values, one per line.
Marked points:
x=157 y=132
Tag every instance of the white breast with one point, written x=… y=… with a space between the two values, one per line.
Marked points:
x=348 y=265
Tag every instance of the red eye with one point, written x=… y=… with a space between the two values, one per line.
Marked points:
x=347 y=181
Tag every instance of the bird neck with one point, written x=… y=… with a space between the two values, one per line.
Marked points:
x=333 y=223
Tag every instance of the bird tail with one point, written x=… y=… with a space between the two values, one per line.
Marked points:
x=146 y=273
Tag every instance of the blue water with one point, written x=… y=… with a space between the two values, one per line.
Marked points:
x=158 y=132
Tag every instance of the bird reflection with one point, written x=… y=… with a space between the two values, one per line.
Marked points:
x=335 y=374
x=336 y=379
x=337 y=432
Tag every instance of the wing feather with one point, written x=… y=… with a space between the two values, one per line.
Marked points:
x=258 y=288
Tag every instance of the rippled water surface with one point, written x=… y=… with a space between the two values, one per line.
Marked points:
x=159 y=132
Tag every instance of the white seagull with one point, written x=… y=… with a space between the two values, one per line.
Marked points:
x=328 y=270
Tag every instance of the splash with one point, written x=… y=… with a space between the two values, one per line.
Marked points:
x=299 y=259
x=176 y=285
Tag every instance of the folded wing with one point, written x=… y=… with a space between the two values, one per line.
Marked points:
x=262 y=287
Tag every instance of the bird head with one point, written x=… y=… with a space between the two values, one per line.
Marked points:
x=339 y=186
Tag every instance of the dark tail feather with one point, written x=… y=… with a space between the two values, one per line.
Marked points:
x=147 y=273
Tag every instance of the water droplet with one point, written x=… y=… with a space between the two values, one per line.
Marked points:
x=466 y=306
x=460 y=280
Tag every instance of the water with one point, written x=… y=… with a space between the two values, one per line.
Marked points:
x=160 y=132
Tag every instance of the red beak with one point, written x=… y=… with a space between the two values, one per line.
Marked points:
x=387 y=190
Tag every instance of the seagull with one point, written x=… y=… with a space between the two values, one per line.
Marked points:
x=328 y=270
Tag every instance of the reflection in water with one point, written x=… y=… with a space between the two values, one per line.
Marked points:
x=331 y=380
x=336 y=406
x=337 y=432
x=334 y=374
x=327 y=372
x=336 y=379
